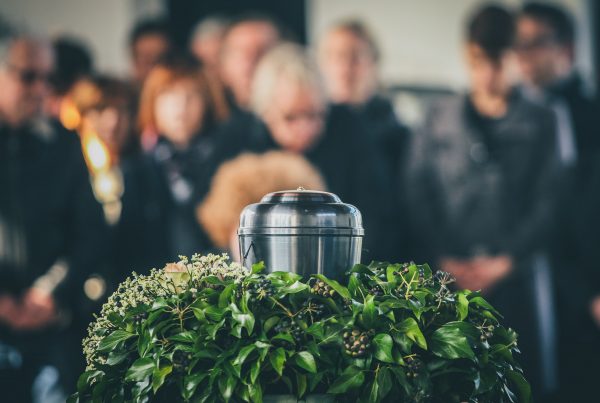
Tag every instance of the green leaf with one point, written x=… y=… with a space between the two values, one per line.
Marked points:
x=383 y=347
x=111 y=342
x=462 y=305
x=258 y=267
x=159 y=375
x=246 y=320
x=269 y=323
x=243 y=354
x=116 y=357
x=184 y=337
x=301 y=383
x=351 y=378
x=277 y=359
x=86 y=379
x=522 y=386
x=384 y=379
x=305 y=360
x=294 y=288
x=374 y=392
x=191 y=382
x=225 y=295
x=340 y=289
x=481 y=302
x=410 y=327
x=255 y=392
x=450 y=342
x=227 y=385
x=368 y=313
x=140 y=369
x=255 y=371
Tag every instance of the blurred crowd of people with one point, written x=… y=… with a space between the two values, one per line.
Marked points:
x=101 y=176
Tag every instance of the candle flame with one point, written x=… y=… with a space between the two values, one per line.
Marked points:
x=69 y=114
x=96 y=153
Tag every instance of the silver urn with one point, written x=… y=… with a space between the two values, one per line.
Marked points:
x=301 y=231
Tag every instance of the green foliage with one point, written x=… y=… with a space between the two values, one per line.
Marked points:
x=394 y=332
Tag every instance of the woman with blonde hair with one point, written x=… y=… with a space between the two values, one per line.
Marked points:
x=245 y=180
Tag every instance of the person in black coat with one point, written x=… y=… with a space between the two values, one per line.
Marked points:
x=291 y=114
x=481 y=188
x=182 y=107
x=349 y=59
x=52 y=233
x=546 y=53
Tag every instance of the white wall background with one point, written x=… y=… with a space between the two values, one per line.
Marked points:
x=102 y=24
x=421 y=40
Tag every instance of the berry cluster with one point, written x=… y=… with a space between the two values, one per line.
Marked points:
x=262 y=289
x=287 y=325
x=413 y=366
x=356 y=343
x=140 y=317
x=181 y=360
x=323 y=289
x=376 y=291
x=312 y=310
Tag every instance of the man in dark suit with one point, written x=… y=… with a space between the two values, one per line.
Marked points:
x=51 y=228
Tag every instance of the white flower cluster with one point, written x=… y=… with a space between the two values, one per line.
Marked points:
x=145 y=289
x=214 y=265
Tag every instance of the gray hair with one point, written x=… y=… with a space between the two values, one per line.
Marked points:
x=286 y=60
x=210 y=26
x=7 y=37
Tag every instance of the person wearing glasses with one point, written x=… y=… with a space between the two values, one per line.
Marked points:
x=546 y=53
x=52 y=233
x=481 y=188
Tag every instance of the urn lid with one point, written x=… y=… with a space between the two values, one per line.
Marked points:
x=301 y=212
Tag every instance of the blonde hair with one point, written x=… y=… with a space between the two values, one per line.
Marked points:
x=245 y=180
x=286 y=60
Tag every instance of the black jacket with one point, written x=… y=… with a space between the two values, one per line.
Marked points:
x=483 y=187
x=48 y=213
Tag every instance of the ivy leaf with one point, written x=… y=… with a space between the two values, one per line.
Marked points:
x=351 y=378
x=374 y=391
x=383 y=347
x=255 y=392
x=462 y=305
x=258 y=267
x=296 y=287
x=255 y=371
x=277 y=359
x=410 y=327
x=191 y=382
x=368 y=313
x=159 y=375
x=86 y=379
x=227 y=385
x=450 y=342
x=305 y=360
x=522 y=386
x=340 y=289
x=384 y=379
x=302 y=384
x=111 y=342
x=225 y=295
x=243 y=354
x=140 y=369
x=246 y=320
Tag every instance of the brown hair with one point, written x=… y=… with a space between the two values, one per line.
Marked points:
x=171 y=70
x=362 y=32
x=245 y=180
x=99 y=92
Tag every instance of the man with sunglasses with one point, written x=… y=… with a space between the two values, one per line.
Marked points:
x=50 y=224
x=546 y=51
